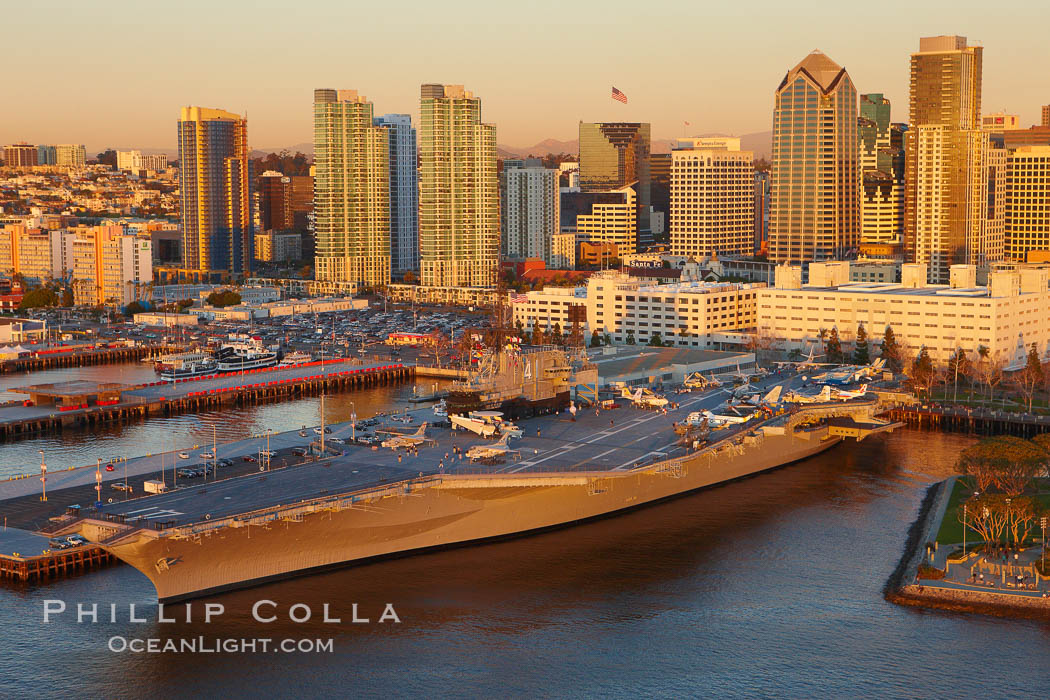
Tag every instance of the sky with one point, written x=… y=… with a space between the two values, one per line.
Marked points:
x=114 y=73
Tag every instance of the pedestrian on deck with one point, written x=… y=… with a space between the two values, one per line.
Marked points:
x=399 y=459
x=610 y=422
x=537 y=432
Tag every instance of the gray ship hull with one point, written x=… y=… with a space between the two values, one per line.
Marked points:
x=431 y=512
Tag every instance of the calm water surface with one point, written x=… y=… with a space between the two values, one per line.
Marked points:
x=767 y=587
x=75 y=448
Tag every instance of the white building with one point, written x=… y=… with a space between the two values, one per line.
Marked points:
x=712 y=197
x=685 y=314
x=1007 y=316
x=531 y=212
x=134 y=161
x=70 y=155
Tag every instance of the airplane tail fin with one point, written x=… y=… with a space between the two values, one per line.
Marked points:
x=825 y=393
x=422 y=428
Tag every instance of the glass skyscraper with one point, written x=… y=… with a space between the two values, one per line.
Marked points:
x=351 y=190
x=404 y=191
x=214 y=189
x=614 y=155
x=953 y=172
x=882 y=174
x=459 y=233
x=815 y=207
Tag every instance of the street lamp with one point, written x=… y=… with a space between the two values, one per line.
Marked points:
x=43 y=477
x=98 y=481
x=353 y=422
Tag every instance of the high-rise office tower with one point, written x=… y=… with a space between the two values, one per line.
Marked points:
x=660 y=185
x=1028 y=204
x=351 y=190
x=712 y=198
x=952 y=171
x=20 y=155
x=531 y=204
x=458 y=190
x=882 y=176
x=761 y=195
x=815 y=207
x=614 y=155
x=70 y=155
x=275 y=206
x=214 y=190
x=404 y=191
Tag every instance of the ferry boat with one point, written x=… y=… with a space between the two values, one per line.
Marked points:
x=185 y=366
x=244 y=352
x=296 y=357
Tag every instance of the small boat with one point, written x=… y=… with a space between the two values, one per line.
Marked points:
x=296 y=357
x=186 y=365
x=244 y=352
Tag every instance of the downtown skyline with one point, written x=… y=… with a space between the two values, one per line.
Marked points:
x=538 y=81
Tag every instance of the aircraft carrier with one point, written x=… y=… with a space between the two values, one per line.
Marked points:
x=371 y=501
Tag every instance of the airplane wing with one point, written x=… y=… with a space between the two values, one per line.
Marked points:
x=774 y=395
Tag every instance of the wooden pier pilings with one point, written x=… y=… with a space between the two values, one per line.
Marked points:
x=43 y=567
x=250 y=394
x=972 y=421
x=77 y=357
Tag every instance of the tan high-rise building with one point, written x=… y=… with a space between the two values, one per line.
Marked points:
x=612 y=219
x=1046 y=115
x=459 y=214
x=712 y=198
x=216 y=212
x=110 y=266
x=1028 y=205
x=814 y=187
x=951 y=164
x=70 y=155
x=351 y=190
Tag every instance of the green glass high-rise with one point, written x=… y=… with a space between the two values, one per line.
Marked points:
x=459 y=233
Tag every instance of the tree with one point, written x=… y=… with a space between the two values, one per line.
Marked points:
x=1021 y=514
x=656 y=341
x=556 y=336
x=226 y=297
x=630 y=337
x=957 y=364
x=833 y=349
x=596 y=341
x=1004 y=462
x=409 y=277
x=538 y=336
x=861 y=351
x=891 y=351
x=1031 y=377
x=985 y=514
x=133 y=308
x=38 y=298
x=923 y=373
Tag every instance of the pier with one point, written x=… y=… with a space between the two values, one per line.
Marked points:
x=26 y=556
x=976 y=421
x=82 y=356
x=73 y=405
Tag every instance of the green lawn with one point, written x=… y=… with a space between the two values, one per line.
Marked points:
x=951 y=530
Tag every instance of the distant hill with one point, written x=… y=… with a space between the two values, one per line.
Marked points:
x=760 y=142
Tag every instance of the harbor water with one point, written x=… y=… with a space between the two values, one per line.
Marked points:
x=766 y=587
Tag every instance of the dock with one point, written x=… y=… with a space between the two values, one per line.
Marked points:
x=974 y=421
x=27 y=556
x=72 y=405
x=83 y=356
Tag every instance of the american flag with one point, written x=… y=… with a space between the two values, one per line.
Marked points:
x=617 y=95
x=519 y=298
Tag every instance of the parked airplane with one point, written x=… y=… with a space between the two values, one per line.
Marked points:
x=695 y=380
x=486 y=451
x=823 y=397
x=721 y=420
x=644 y=398
x=411 y=440
x=846 y=395
x=850 y=374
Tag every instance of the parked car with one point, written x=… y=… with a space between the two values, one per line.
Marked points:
x=206 y=455
x=121 y=486
x=184 y=455
x=248 y=458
